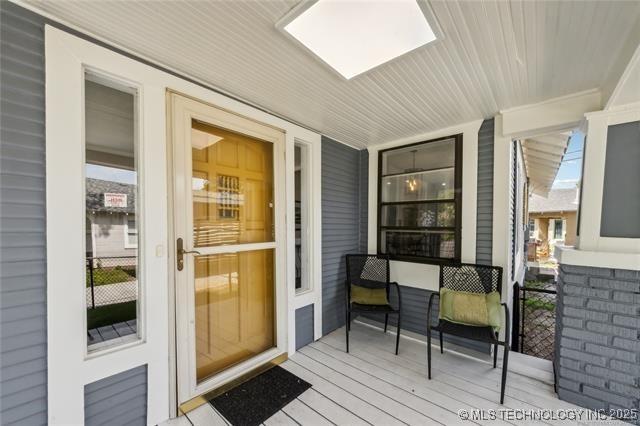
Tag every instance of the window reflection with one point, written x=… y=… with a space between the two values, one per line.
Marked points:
x=111 y=287
x=232 y=187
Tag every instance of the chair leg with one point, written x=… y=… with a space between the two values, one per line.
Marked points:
x=505 y=364
x=429 y=353
x=386 y=322
x=347 y=326
x=495 y=355
x=397 y=335
x=441 y=350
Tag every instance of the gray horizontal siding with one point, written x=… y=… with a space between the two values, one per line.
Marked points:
x=364 y=200
x=23 y=313
x=120 y=399
x=304 y=326
x=484 y=225
x=341 y=225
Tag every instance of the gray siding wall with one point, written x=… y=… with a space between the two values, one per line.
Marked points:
x=484 y=226
x=364 y=200
x=621 y=192
x=304 y=326
x=341 y=225
x=117 y=400
x=597 y=353
x=23 y=312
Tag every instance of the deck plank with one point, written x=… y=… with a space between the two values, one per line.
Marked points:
x=442 y=378
x=450 y=399
x=370 y=375
x=391 y=406
x=480 y=368
x=329 y=409
x=352 y=403
x=465 y=367
x=206 y=415
x=521 y=393
x=281 y=419
x=304 y=414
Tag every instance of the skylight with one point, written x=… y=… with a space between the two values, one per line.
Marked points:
x=354 y=36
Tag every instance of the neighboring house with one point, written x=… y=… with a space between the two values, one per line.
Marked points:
x=111 y=221
x=553 y=219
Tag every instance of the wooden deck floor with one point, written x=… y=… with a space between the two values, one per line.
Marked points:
x=373 y=386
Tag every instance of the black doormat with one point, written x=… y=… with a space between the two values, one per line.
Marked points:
x=255 y=400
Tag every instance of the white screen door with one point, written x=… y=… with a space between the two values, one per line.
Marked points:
x=228 y=212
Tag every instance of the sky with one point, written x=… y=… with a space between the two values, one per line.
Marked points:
x=569 y=173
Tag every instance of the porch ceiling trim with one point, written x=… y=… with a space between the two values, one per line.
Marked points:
x=543 y=156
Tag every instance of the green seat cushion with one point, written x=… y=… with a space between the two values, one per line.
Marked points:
x=368 y=296
x=475 y=309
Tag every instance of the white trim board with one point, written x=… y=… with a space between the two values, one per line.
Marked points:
x=314 y=294
x=501 y=244
x=589 y=238
x=597 y=259
x=420 y=275
x=68 y=367
x=551 y=115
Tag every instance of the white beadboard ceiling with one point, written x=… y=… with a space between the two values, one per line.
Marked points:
x=495 y=55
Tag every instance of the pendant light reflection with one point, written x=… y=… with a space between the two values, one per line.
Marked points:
x=412 y=182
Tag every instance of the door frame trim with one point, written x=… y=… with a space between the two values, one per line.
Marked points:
x=183 y=110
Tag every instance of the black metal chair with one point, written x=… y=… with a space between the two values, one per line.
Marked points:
x=370 y=271
x=475 y=279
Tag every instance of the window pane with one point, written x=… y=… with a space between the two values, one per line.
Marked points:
x=234 y=317
x=428 y=156
x=232 y=187
x=419 y=186
x=111 y=287
x=418 y=200
x=419 y=215
x=301 y=192
x=557 y=234
x=438 y=244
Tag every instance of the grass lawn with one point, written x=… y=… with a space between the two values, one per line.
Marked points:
x=111 y=314
x=535 y=304
x=103 y=276
x=540 y=300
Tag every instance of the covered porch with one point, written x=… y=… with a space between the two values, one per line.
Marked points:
x=184 y=183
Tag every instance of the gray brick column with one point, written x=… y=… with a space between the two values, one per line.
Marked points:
x=598 y=337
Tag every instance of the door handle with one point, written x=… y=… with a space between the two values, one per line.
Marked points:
x=180 y=252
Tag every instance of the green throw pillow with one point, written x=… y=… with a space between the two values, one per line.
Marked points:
x=368 y=296
x=476 y=309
